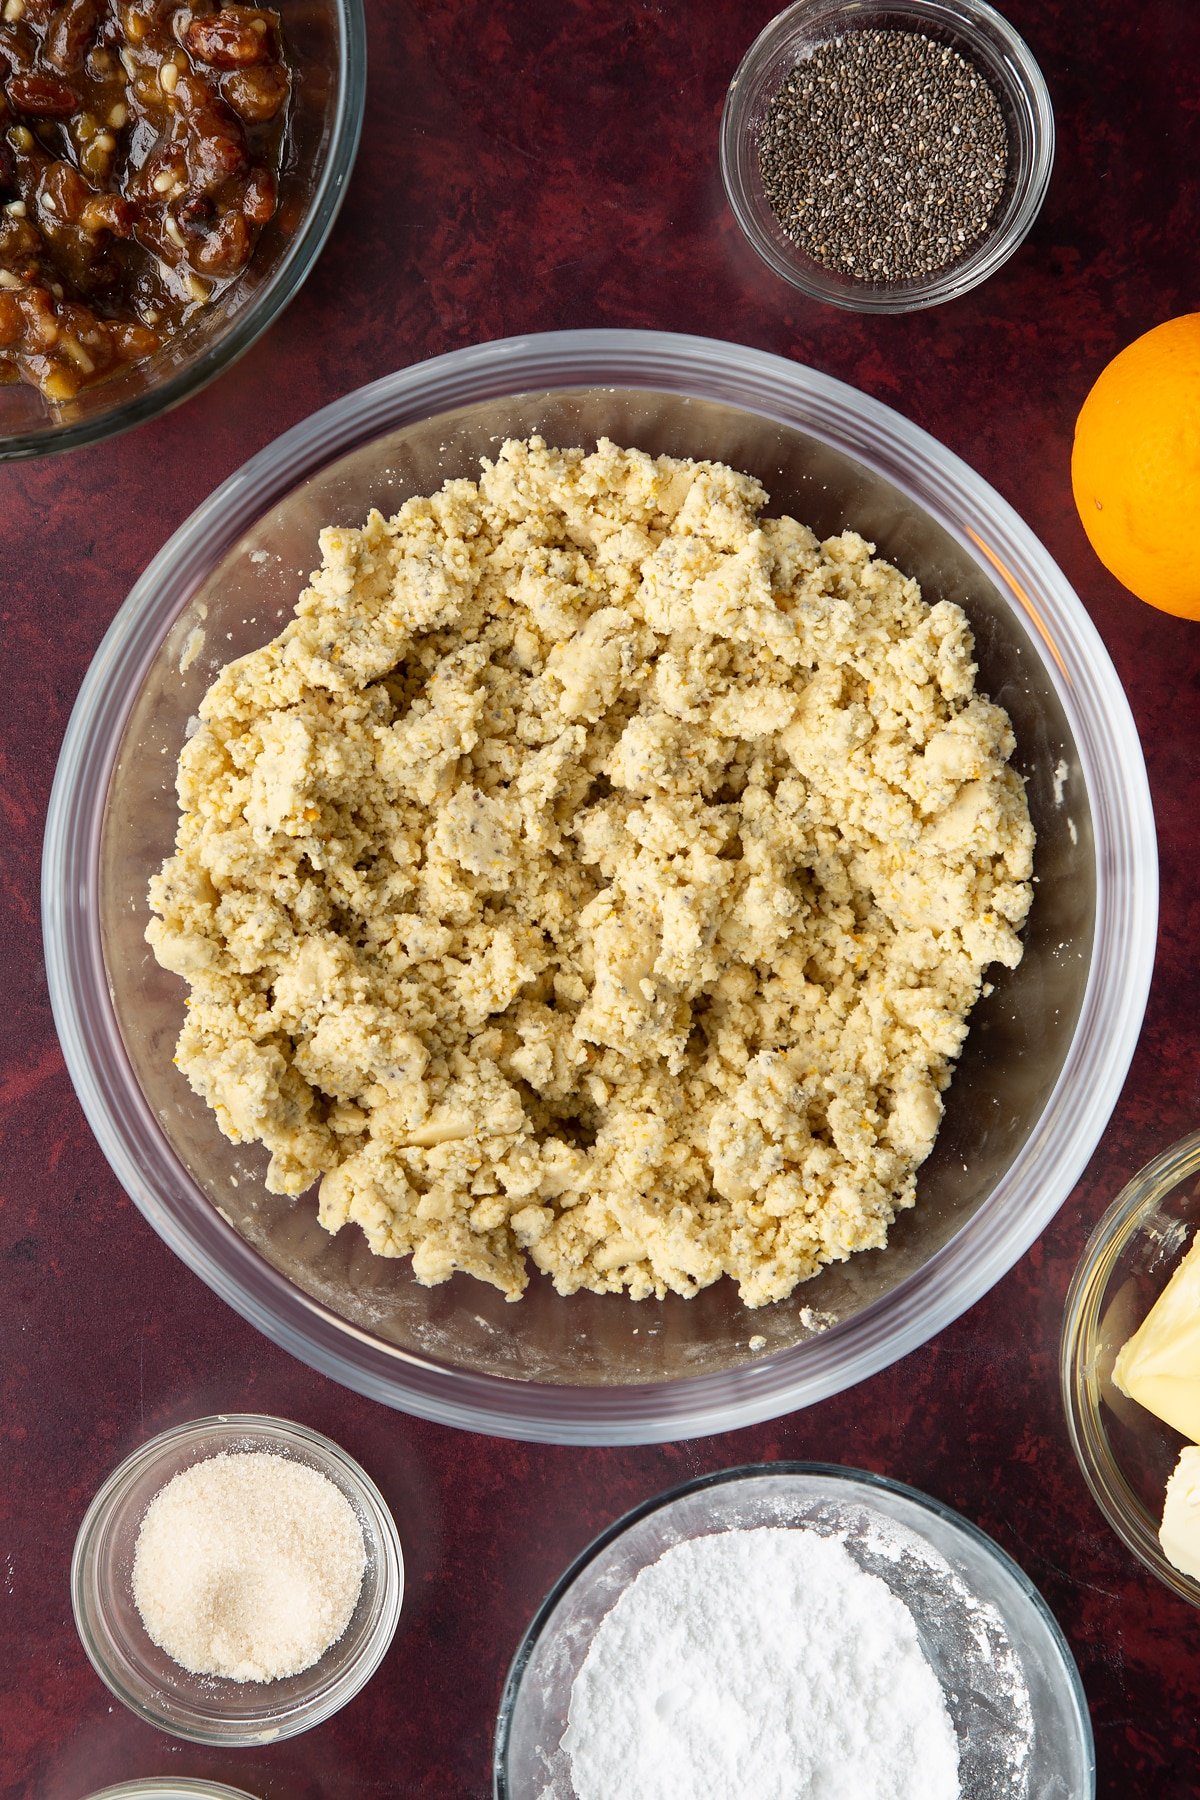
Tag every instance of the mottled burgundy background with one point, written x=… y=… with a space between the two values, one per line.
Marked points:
x=529 y=164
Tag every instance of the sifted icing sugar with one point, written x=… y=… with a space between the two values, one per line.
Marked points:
x=761 y=1662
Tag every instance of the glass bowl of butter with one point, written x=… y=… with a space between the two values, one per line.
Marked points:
x=1130 y=1366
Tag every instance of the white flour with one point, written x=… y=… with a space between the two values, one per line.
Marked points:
x=764 y=1663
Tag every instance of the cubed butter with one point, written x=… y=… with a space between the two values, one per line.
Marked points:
x=1180 y=1534
x=1159 y=1367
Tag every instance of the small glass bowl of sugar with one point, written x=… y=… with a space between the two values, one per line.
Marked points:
x=142 y=1584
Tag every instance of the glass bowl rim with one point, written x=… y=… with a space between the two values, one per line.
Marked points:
x=838 y=1474
x=168 y=1787
x=279 y=288
x=389 y=1579
x=933 y=479
x=1119 y=1506
x=1020 y=75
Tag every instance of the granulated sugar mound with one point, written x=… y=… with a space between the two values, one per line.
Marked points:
x=248 y=1565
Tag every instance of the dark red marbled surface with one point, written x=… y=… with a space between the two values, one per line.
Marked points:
x=529 y=164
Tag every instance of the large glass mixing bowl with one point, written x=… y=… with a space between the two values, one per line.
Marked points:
x=1048 y=1049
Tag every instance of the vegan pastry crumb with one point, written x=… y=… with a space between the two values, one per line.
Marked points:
x=595 y=876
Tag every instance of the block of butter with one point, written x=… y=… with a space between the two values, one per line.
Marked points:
x=1180 y=1533
x=1159 y=1367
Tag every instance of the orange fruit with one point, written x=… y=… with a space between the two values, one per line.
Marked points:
x=1135 y=466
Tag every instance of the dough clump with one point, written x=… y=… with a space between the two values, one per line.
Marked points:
x=595 y=874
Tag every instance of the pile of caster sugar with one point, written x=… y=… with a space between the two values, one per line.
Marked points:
x=761 y=1662
x=248 y=1565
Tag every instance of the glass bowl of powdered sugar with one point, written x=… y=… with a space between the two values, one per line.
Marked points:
x=793 y=1630
x=237 y=1579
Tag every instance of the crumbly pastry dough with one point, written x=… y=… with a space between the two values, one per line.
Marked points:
x=598 y=875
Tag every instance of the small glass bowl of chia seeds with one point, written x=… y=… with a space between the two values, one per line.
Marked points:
x=886 y=155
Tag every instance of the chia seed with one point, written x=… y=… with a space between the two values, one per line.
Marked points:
x=884 y=155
